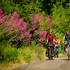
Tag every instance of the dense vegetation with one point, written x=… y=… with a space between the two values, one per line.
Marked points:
x=24 y=25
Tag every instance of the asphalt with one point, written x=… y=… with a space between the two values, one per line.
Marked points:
x=61 y=63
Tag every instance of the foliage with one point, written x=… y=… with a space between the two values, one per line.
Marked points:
x=32 y=52
x=23 y=7
x=17 y=29
x=26 y=23
x=8 y=53
x=25 y=53
x=62 y=22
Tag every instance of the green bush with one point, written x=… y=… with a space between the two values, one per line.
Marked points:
x=8 y=54
x=31 y=52
x=28 y=53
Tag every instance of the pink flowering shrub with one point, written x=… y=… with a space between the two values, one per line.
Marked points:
x=21 y=30
x=43 y=36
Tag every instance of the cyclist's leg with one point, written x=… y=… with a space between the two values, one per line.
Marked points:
x=59 y=47
x=53 y=52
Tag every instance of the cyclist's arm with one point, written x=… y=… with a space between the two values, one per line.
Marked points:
x=59 y=41
x=47 y=40
x=54 y=41
x=63 y=39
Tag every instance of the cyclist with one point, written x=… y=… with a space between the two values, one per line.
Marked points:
x=57 y=48
x=67 y=39
x=50 y=39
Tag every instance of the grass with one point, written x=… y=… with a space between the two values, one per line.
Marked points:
x=32 y=53
x=27 y=54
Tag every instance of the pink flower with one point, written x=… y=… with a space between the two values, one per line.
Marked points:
x=29 y=40
x=1 y=11
x=15 y=13
x=21 y=37
x=36 y=32
x=30 y=35
x=27 y=33
x=24 y=30
x=12 y=28
x=21 y=32
x=43 y=35
x=34 y=27
x=21 y=19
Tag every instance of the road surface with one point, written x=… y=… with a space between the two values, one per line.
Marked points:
x=60 y=63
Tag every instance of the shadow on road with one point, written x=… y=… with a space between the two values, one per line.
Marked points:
x=66 y=60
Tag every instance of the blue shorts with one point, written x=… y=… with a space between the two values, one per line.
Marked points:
x=58 y=46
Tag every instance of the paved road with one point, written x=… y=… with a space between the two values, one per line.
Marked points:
x=60 y=63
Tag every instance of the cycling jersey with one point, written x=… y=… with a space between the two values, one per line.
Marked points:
x=67 y=38
x=50 y=38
